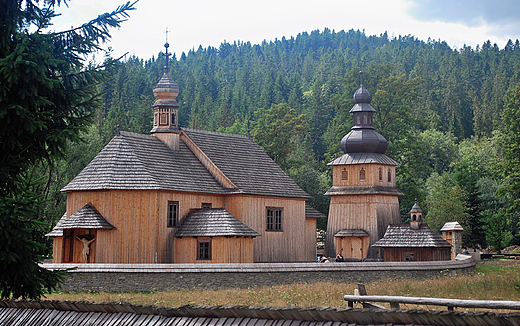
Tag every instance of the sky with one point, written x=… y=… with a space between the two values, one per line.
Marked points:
x=209 y=23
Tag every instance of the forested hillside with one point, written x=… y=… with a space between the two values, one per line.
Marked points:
x=440 y=109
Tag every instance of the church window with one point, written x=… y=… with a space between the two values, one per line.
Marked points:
x=155 y=117
x=365 y=119
x=203 y=249
x=344 y=175
x=389 y=176
x=413 y=217
x=358 y=120
x=173 y=214
x=163 y=119
x=205 y=205
x=409 y=256
x=362 y=174
x=274 y=219
x=173 y=119
x=380 y=174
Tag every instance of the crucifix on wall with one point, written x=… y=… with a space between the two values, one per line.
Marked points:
x=86 y=249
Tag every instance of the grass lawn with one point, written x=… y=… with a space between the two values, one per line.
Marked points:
x=494 y=280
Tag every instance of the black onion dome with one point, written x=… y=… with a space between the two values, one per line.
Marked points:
x=362 y=95
x=363 y=138
x=364 y=141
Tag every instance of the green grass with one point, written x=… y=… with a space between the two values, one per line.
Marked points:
x=494 y=280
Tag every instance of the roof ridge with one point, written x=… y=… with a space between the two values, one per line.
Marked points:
x=215 y=133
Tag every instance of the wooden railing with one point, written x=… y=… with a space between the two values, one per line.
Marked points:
x=395 y=301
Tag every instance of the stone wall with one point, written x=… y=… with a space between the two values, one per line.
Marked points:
x=161 y=277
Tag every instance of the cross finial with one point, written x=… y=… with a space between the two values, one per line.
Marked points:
x=166 y=45
x=361 y=76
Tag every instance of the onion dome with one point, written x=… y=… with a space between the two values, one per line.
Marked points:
x=165 y=106
x=363 y=138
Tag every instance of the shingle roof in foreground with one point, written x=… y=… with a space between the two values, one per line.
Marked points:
x=399 y=236
x=53 y=313
x=213 y=222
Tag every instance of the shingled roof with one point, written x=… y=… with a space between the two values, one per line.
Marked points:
x=244 y=162
x=86 y=217
x=402 y=236
x=135 y=161
x=211 y=222
x=363 y=158
x=313 y=212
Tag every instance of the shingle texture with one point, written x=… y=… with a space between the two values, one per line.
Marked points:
x=86 y=217
x=452 y=226
x=352 y=233
x=204 y=222
x=363 y=158
x=399 y=236
x=243 y=161
x=135 y=161
x=313 y=212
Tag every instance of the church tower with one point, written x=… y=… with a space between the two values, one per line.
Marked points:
x=364 y=198
x=165 y=119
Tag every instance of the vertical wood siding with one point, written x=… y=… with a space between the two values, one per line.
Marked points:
x=419 y=254
x=310 y=238
x=142 y=235
x=372 y=213
x=275 y=246
x=223 y=250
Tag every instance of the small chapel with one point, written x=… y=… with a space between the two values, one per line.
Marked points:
x=181 y=195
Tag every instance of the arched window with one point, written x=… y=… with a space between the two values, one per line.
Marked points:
x=413 y=217
x=173 y=119
x=380 y=174
x=389 y=175
x=362 y=174
x=365 y=121
x=344 y=175
x=358 y=119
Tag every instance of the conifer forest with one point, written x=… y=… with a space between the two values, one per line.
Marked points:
x=451 y=117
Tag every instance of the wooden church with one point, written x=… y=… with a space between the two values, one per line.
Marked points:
x=364 y=197
x=183 y=196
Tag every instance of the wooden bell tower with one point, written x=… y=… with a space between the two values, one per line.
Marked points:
x=364 y=198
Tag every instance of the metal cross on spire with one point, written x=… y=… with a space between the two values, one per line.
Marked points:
x=166 y=45
x=361 y=76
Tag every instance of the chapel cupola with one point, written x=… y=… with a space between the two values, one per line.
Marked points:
x=165 y=108
x=415 y=216
x=363 y=138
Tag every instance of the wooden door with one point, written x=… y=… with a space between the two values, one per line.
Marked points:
x=356 y=247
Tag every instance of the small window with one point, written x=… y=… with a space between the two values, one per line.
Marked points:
x=163 y=119
x=380 y=174
x=362 y=174
x=358 y=120
x=155 y=117
x=409 y=256
x=344 y=175
x=389 y=176
x=173 y=213
x=173 y=119
x=203 y=249
x=365 y=119
x=413 y=217
x=274 y=219
x=205 y=205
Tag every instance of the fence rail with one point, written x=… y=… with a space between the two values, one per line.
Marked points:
x=450 y=303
